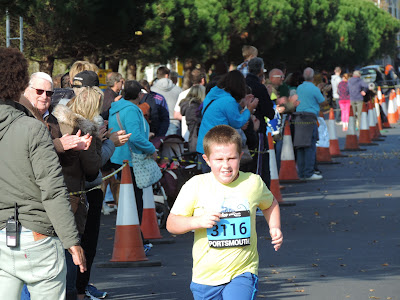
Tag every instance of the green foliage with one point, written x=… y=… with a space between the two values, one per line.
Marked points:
x=299 y=32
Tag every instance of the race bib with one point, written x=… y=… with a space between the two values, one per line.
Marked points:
x=232 y=230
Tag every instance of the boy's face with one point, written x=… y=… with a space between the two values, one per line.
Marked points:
x=224 y=161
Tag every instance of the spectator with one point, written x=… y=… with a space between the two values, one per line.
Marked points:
x=159 y=114
x=248 y=52
x=220 y=69
x=306 y=128
x=276 y=78
x=357 y=91
x=164 y=86
x=221 y=106
x=115 y=84
x=197 y=77
x=132 y=120
x=335 y=80
x=174 y=76
x=265 y=110
x=83 y=113
x=32 y=181
x=344 y=100
x=189 y=108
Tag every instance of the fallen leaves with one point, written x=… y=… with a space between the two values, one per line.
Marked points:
x=385 y=265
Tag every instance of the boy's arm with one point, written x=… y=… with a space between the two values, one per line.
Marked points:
x=273 y=217
x=177 y=224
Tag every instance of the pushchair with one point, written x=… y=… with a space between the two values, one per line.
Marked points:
x=177 y=166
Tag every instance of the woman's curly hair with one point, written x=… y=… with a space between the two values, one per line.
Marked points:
x=14 y=75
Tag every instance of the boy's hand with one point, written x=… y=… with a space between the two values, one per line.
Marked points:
x=208 y=220
x=277 y=237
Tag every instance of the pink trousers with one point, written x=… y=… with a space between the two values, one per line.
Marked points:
x=345 y=109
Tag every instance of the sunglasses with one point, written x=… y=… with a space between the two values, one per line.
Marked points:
x=39 y=92
x=279 y=76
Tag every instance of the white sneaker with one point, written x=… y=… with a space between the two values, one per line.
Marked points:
x=107 y=210
x=314 y=177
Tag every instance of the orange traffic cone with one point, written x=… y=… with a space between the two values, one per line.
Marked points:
x=128 y=245
x=391 y=115
x=379 y=93
x=149 y=224
x=288 y=171
x=377 y=130
x=373 y=134
x=382 y=102
x=351 y=137
x=275 y=187
x=378 y=113
x=398 y=101
x=333 y=140
x=364 y=138
x=273 y=170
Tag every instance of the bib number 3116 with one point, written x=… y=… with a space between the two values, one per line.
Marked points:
x=232 y=230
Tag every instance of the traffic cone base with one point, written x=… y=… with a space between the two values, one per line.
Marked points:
x=351 y=137
x=128 y=245
x=324 y=157
x=286 y=173
x=333 y=147
x=275 y=185
x=149 y=224
x=364 y=139
x=288 y=170
x=333 y=140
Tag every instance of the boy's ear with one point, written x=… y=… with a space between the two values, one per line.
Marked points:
x=206 y=159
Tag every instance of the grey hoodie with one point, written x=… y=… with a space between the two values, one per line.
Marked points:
x=30 y=176
x=170 y=92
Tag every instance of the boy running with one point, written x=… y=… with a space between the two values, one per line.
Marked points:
x=221 y=208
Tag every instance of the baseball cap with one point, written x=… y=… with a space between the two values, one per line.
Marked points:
x=85 y=78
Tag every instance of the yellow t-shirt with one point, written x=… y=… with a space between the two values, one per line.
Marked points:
x=226 y=251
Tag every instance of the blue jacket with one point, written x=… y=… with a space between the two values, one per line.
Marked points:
x=356 y=85
x=133 y=122
x=223 y=111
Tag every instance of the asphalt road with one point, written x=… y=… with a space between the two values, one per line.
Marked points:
x=341 y=239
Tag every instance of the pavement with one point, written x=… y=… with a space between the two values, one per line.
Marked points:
x=341 y=239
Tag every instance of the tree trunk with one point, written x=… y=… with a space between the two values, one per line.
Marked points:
x=188 y=66
x=113 y=64
x=46 y=65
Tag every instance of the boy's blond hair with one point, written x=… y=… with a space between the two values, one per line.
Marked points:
x=221 y=135
x=249 y=52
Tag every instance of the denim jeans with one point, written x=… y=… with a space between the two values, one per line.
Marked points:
x=306 y=157
x=39 y=264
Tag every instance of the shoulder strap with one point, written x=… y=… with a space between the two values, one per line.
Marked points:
x=119 y=121
x=207 y=106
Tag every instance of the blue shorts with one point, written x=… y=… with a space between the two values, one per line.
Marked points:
x=242 y=287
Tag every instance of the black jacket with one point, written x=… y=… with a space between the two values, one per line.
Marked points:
x=265 y=106
x=159 y=116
